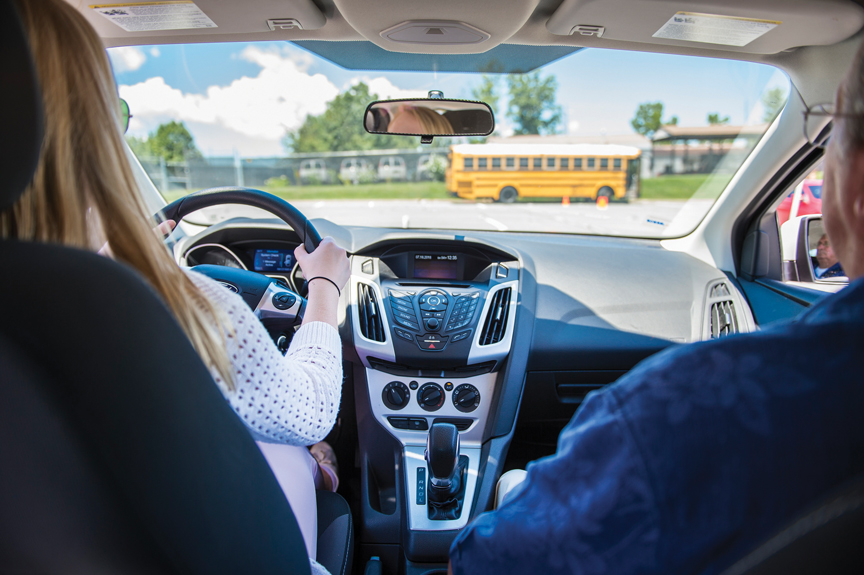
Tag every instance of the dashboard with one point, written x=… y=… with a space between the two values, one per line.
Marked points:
x=501 y=334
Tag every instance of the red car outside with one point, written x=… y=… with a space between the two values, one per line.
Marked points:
x=811 y=201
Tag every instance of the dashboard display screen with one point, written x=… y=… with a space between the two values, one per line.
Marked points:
x=436 y=266
x=274 y=260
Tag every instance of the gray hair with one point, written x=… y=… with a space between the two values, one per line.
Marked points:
x=851 y=104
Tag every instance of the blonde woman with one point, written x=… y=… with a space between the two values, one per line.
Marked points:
x=418 y=120
x=83 y=194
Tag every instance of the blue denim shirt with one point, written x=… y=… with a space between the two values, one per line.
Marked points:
x=693 y=458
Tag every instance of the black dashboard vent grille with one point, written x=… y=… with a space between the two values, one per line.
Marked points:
x=723 y=319
x=370 y=314
x=495 y=325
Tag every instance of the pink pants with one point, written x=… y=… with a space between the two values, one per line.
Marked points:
x=298 y=474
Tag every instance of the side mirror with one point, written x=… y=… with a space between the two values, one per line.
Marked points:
x=807 y=253
x=429 y=117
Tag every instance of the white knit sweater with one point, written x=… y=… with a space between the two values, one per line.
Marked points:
x=292 y=399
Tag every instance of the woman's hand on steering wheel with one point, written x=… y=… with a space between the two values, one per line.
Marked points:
x=328 y=261
x=327 y=269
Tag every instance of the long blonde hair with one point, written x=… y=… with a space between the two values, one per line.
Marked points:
x=83 y=168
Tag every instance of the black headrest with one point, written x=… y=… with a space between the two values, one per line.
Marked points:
x=20 y=108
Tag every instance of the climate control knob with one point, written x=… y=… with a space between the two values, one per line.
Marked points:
x=466 y=398
x=395 y=395
x=430 y=396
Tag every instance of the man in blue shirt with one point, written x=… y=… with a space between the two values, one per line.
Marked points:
x=704 y=451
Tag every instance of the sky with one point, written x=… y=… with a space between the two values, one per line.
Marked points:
x=242 y=98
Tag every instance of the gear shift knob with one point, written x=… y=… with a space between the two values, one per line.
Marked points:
x=442 y=453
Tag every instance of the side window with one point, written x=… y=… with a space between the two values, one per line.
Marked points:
x=511 y=162
x=523 y=163
x=538 y=163
x=481 y=163
x=807 y=254
x=565 y=164
x=469 y=163
x=577 y=163
x=496 y=163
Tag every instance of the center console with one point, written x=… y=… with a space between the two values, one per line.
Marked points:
x=432 y=328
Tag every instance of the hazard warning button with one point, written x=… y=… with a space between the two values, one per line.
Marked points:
x=432 y=341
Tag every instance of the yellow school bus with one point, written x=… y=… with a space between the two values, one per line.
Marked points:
x=506 y=172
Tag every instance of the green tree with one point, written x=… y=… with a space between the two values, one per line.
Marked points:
x=773 y=101
x=487 y=92
x=714 y=119
x=648 y=118
x=532 y=106
x=340 y=127
x=173 y=142
x=138 y=146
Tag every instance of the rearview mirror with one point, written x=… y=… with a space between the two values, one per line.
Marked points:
x=807 y=252
x=429 y=117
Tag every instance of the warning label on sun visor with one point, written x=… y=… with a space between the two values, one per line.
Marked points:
x=713 y=29
x=148 y=16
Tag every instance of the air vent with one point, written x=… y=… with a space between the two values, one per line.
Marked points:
x=496 y=320
x=370 y=314
x=723 y=319
x=720 y=290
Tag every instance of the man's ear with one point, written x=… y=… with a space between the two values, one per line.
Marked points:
x=855 y=183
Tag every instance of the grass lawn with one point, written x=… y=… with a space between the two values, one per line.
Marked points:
x=378 y=191
x=680 y=187
x=684 y=186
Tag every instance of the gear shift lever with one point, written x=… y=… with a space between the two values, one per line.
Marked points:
x=442 y=457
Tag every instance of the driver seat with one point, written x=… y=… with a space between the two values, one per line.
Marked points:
x=118 y=454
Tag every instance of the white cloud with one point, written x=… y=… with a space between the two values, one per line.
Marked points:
x=154 y=51
x=386 y=90
x=572 y=127
x=250 y=114
x=127 y=59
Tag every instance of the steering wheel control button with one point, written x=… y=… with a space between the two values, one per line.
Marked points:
x=404 y=334
x=466 y=398
x=432 y=342
x=367 y=267
x=395 y=395
x=413 y=384
x=431 y=396
x=410 y=423
x=283 y=301
x=460 y=336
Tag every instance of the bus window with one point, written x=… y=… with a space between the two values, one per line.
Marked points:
x=481 y=163
x=577 y=163
x=511 y=162
x=564 y=163
x=590 y=163
x=469 y=163
x=616 y=164
x=604 y=163
x=496 y=163
x=538 y=163
x=523 y=163
x=550 y=163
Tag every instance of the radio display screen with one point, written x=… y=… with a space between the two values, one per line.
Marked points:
x=274 y=260
x=436 y=266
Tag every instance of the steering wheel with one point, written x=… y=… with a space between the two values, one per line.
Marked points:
x=179 y=209
x=278 y=308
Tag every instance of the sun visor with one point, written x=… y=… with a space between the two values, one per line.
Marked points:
x=749 y=26
x=502 y=59
x=127 y=19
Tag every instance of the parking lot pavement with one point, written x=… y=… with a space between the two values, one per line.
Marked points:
x=650 y=218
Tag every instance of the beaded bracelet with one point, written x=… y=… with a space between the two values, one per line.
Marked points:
x=328 y=279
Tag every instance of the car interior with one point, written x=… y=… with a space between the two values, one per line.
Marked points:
x=465 y=351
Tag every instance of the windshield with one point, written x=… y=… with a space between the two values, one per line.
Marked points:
x=600 y=142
